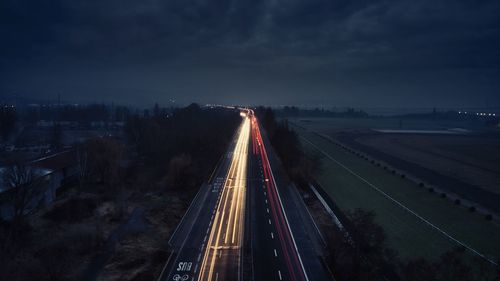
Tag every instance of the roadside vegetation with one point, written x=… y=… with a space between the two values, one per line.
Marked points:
x=360 y=252
x=113 y=221
x=286 y=143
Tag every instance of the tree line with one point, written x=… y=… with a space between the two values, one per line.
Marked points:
x=83 y=114
x=185 y=144
x=293 y=111
x=286 y=143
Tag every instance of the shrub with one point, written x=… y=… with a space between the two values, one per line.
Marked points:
x=431 y=189
x=457 y=201
x=443 y=195
x=403 y=176
x=421 y=184
x=72 y=210
x=472 y=209
x=83 y=239
x=489 y=217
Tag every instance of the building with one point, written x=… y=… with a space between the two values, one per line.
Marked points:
x=56 y=171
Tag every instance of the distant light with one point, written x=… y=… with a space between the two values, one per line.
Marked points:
x=460 y=112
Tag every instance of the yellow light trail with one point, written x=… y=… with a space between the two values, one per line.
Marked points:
x=227 y=228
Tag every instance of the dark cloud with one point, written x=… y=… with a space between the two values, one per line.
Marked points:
x=252 y=41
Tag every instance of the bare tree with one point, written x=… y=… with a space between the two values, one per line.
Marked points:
x=25 y=189
x=135 y=130
x=8 y=118
x=82 y=157
x=56 y=139
x=178 y=172
x=104 y=160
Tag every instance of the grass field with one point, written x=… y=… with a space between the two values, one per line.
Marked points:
x=472 y=158
x=354 y=188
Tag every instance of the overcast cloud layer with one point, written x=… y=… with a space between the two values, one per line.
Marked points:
x=359 y=52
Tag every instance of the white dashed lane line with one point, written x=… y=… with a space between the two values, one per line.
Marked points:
x=275 y=253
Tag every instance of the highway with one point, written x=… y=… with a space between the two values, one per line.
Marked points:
x=189 y=240
x=272 y=240
x=242 y=225
x=222 y=257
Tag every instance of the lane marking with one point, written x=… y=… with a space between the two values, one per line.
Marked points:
x=267 y=209
x=272 y=235
x=285 y=215
x=279 y=274
x=235 y=169
x=275 y=253
x=269 y=221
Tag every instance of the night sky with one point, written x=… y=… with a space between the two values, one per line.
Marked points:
x=380 y=53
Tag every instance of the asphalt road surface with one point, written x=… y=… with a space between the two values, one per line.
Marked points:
x=273 y=244
x=222 y=257
x=242 y=207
